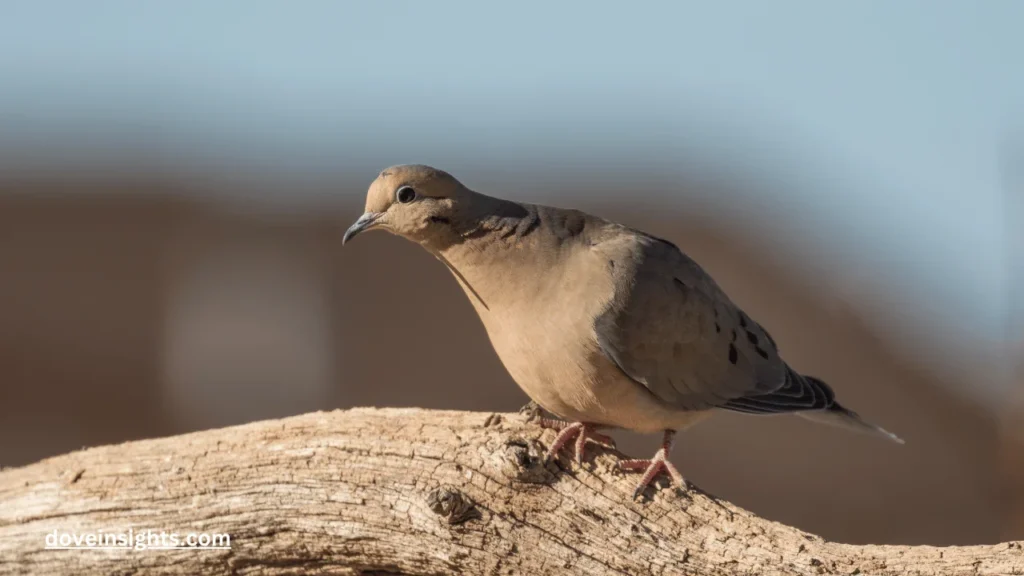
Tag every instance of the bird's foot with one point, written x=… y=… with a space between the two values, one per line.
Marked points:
x=581 y=431
x=656 y=464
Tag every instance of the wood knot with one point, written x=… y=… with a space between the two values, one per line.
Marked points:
x=525 y=461
x=452 y=504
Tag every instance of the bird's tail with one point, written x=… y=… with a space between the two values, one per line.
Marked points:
x=836 y=415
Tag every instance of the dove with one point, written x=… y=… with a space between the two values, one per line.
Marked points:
x=602 y=325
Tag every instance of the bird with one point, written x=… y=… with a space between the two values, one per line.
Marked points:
x=602 y=325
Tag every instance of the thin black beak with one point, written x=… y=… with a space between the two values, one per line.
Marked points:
x=365 y=221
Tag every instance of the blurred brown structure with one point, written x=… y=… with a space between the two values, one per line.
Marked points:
x=1013 y=450
x=128 y=311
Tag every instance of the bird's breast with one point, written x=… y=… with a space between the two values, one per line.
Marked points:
x=549 y=355
x=543 y=331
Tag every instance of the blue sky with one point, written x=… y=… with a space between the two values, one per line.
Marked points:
x=887 y=121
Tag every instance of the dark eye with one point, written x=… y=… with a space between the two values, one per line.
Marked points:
x=405 y=194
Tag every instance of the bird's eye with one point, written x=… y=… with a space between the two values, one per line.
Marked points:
x=405 y=194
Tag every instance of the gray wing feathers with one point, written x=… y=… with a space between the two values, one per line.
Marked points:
x=672 y=329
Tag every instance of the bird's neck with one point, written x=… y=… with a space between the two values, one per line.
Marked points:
x=486 y=252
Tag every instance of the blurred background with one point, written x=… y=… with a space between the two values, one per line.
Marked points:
x=175 y=179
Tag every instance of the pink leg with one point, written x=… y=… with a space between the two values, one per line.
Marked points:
x=581 y=431
x=656 y=464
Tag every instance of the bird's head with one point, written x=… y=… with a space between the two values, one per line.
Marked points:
x=416 y=202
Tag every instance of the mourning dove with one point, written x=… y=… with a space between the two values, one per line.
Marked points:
x=600 y=324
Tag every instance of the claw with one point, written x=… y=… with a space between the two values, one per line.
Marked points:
x=655 y=465
x=581 y=431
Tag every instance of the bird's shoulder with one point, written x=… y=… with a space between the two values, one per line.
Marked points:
x=643 y=256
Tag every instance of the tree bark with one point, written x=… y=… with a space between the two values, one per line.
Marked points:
x=406 y=491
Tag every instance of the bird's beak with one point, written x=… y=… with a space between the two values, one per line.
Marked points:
x=364 y=222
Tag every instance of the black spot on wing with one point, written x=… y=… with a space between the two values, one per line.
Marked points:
x=439 y=220
x=752 y=338
x=733 y=354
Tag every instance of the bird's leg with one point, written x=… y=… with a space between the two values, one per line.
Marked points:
x=656 y=464
x=581 y=431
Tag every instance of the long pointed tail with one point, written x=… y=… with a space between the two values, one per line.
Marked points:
x=836 y=415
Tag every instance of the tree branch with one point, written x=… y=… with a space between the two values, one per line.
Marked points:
x=393 y=491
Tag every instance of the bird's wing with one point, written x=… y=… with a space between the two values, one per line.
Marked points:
x=671 y=328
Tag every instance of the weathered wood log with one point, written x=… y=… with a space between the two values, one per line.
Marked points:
x=405 y=491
